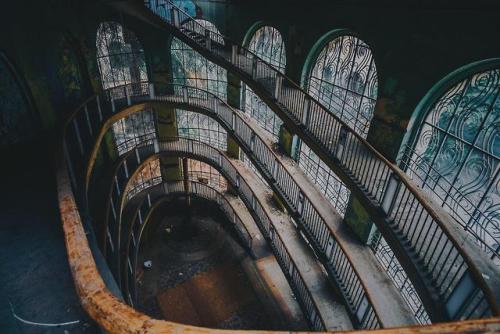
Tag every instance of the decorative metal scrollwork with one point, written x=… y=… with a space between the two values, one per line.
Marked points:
x=192 y=69
x=456 y=155
x=268 y=44
x=120 y=56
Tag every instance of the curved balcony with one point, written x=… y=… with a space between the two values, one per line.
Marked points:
x=446 y=267
x=77 y=142
x=332 y=241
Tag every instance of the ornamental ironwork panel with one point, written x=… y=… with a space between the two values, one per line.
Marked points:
x=456 y=154
x=192 y=69
x=202 y=128
x=268 y=44
x=137 y=128
x=344 y=79
x=120 y=56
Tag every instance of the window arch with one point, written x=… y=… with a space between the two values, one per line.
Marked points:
x=454 y=148
x=267 y=43
x=120 y=56
x=192 y=69
x=17 y=118
x=340 y=72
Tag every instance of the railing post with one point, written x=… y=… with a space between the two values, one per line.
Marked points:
x=208 y=40
x=390 y=193
x=78 y=137
x=300 y=203
x=156 y=145
x=113 y=108
x=275 y=169
x=237 y=180
x=190 y=147
x=252 y=141
x=138 y=158
x=99 y=110
x=151 y=91
x=233 y=121
x=174 y=17
x=70 y=167
x=215 y=105
x=342 y=142
x=254 y=68
x=127 y=95
x=88 y=119
x=305 y=111
x=277 y=87
x=125 y=166
x=254 y=202
x=165 y=188
x=184 y=94
x=234 y=54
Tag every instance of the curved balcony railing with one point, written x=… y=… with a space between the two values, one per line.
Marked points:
x=203 y=152
x=335 y=257
x=110 y=313
x=262 y=155
x=461 y=208
x=153 y=198
x=445 y=261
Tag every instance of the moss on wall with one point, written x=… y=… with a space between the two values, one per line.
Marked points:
x=233 y=149
x=285 y=140
x=171 y=168
x=358 y=219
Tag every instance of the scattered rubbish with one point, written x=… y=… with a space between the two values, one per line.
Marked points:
x=148 y=264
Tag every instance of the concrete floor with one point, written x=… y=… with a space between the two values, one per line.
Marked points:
x=197 y=278
x=34 y=273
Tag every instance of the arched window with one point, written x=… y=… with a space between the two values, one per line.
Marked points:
x=194 y=125
x=454 y=149
x=267 y=43
x=17 y=121
x=343 y=77
x=120 y=56
x=192 y=69
x=340 y=73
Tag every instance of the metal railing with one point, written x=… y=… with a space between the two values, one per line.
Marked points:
x=465 y=213
x=321 y=235
x=200 y=151
x=110 y=313
x=444 y=263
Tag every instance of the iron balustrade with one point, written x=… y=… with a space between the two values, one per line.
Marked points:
x=284 y=183
x=229 y=117
x=380 y=182
x=213 y=156
x=481 y=234
x=103 y=307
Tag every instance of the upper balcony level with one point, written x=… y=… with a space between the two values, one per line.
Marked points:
x=310 y=196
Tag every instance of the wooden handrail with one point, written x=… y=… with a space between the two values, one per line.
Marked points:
x=116 y=317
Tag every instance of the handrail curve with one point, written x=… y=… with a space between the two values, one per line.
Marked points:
x=304 y=115
x=115 y=317
x=267 y=161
